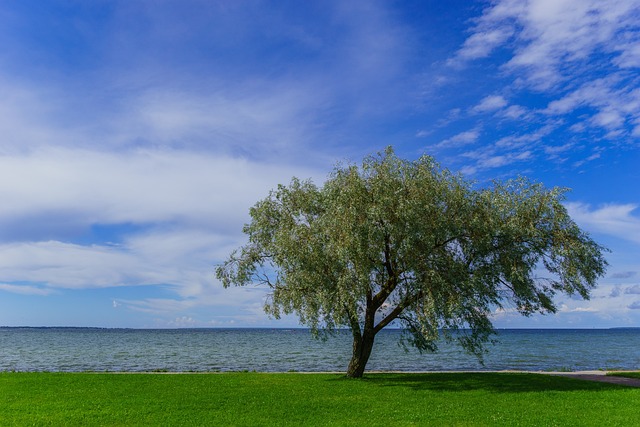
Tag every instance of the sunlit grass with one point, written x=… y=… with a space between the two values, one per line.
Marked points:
x=312 y=399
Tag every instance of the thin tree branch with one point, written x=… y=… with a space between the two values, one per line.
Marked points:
x=397 y=311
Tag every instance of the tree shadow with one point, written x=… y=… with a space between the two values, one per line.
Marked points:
x=487 y=381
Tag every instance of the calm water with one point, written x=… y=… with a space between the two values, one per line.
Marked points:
x=268 y=350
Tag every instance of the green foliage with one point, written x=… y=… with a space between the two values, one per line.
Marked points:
x=411 y=243
x=250 y=399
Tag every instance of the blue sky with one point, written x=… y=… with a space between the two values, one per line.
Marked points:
x=135 y=135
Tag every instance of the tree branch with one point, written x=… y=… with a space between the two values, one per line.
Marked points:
x=397 y=311
x=392 y=280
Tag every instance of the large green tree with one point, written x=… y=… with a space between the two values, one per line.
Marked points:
x=411 y=243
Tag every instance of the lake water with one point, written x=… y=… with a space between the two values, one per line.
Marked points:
x=281 y=350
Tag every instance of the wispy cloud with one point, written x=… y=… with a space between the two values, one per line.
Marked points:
x=515 y=112
x=132 y=149
x=551 y=37
x=632 y=290
x=573 y=56
x=624 y=275
x=483 y=41
x=231 y=99
x=65 y=265
x=183 y=322
x=622 y=291
x=180 y=119
x=490 y=103
x=601 y=309
x=25 y=289
x=564 y=308
x=615 y=220
x=186 y=209
x=215 y=300
x=142 y=186
x=459 y=140
x=493 y=157
x=614 y=104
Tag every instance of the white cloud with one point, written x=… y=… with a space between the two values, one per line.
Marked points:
x=632 y=290
x=564 y=308
x=182 y=260
x=178 y=154
x=183 y=322
x=495 y=161
x=25 y=289
x=601 y=309
x=490 y=157
x=613 y=106
x=490 y=103
x=182 y=263
x=190 y=208
x=460 y=139
x=194 y=86
x=587 y=159
x=266 y=116
x=629 y=55
x=262 y=118
x=555 y=34
x=609 y=119
x=614 y=220
x=525 y=141
x=615 y=292
x=624 y=275
x=65 y=265
x=482 y=43
x=557 y=149
x=557 y=47
x=515 y=112
x=142 y=186
x=218 y=300
x=25 y=115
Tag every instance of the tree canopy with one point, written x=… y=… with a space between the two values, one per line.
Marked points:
x=411 y=243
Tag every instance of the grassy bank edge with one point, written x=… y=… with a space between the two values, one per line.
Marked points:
x=626 y=374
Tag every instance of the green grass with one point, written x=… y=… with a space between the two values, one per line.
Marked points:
x=625 y=374
x=312 y=399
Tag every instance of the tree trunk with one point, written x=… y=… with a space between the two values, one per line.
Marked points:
x=362 y=346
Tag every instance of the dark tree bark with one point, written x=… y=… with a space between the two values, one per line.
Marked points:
x=363 y=339
x=362 y=346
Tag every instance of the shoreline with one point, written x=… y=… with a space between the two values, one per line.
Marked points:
x=593 y=375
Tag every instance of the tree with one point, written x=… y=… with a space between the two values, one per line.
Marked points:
x=411 y=243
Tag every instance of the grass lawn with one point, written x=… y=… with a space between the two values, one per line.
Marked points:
x=312 y=399
x=625 y=374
